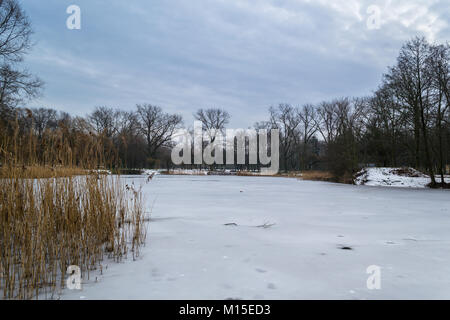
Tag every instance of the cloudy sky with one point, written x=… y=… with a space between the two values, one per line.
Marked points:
x=240 y=55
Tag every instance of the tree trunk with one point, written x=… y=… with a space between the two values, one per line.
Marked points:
x=441 y=155
x=427 y=149
x=417 y=137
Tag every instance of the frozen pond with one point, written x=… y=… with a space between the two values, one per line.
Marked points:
x=192 y=254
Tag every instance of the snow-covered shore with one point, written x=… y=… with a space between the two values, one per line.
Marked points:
x=394 y=177
x=207 y=240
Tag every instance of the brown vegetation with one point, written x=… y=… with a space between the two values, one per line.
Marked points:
x=57 y=209
x=47 y=225
x=41 y=172
x=317 y=176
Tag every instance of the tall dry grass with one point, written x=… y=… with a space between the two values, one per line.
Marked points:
x=317 y=175
x=38 y=172
x=52 y=217
x=47 y=225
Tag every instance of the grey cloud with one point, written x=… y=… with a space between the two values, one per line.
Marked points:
x=240 y=55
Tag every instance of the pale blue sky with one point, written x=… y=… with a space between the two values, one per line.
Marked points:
x=239 y=55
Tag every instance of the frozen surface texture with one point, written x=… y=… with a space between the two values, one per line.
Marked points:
x=216 y=237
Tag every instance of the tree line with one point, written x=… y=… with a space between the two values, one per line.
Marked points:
x=116 y=138
x=405 y=122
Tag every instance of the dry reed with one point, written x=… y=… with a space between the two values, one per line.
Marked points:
x=47 y=225
x=54 y=216
x=317 y=176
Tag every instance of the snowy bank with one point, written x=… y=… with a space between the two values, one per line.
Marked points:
x=101 y=171
x=150 y=172
x=189 y=172
x=393 y=177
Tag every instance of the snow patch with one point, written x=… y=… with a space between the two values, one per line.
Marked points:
x=101 y=171
x=189 y=172
x=392 y=177
x=149 y=172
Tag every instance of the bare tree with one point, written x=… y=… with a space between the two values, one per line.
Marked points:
x=386 y=123
x=411 y=79
x=15 y=31
x=308 y=126
x=214 y=120
x=286 y=119
x=17 y=86
x=129 y=141
x=156 y=126
x=43 y=119
x=342 y=124
x=439 y=64
x=105 y=121
x=327 y=121
x=128 y=123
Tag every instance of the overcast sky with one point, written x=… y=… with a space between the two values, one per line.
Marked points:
x=240 y=55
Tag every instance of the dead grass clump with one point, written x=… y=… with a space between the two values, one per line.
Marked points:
x=317 y=176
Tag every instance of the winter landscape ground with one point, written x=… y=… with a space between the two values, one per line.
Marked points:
x=229 y=237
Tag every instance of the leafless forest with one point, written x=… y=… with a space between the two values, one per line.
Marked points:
x=404 y=123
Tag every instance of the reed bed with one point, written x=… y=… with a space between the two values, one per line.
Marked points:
x=40 y=172
x=48 y=224
x=58 y=209
x=317 y=176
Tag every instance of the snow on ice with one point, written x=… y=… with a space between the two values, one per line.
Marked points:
x=205 y=241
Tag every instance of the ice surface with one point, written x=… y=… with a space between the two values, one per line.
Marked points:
x=204 y=242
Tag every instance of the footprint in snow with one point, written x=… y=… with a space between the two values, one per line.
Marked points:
x=155 y=273
x=261 y=270
x=271 y=286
